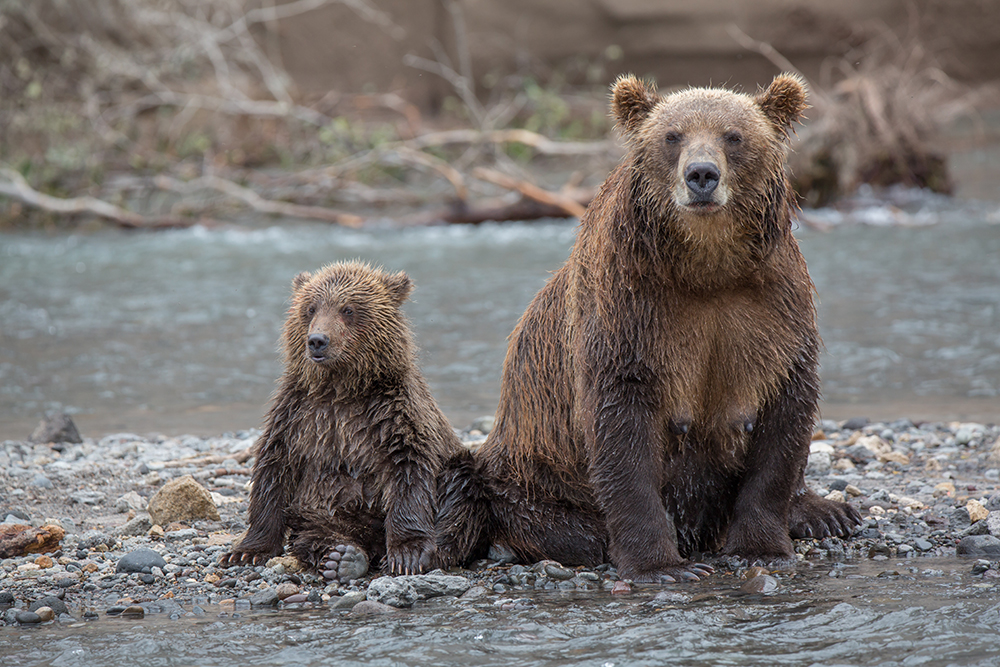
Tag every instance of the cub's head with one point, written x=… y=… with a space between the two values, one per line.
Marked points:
x=704 y=152
x=345 y=322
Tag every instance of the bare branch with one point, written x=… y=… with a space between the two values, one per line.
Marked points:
x=17 y=188
x=532 y=191
x=258 y=203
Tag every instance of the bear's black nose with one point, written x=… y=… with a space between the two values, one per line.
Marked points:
x=318 y=343
x=702 y=178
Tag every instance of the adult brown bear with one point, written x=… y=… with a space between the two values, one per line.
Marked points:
x=659 y=394
x=346 y=467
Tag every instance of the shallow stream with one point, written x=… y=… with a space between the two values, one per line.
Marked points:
x=916 y=612
x=176 y=331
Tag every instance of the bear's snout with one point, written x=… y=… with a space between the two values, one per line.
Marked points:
x=702 y=178
x=317 y=344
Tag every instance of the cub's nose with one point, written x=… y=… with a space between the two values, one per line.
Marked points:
x=702 y=179
x=317 y=343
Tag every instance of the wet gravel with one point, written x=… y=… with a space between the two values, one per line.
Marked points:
x=925 y=490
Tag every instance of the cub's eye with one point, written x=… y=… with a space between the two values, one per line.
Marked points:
x=311 y=310
x=347 y=311
x=733 y=138
x=672 y=137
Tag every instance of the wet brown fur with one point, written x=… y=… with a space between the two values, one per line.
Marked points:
x=351 y=446
x=659 y=394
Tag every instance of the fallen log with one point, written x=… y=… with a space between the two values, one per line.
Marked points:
x=20 y=539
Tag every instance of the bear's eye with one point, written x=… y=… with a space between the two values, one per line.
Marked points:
x=347 y=311
x=672 y=137
x=733 y=138
x=311 y=310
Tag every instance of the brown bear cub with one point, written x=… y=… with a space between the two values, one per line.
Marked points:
x=659 y=394
x=347 y=464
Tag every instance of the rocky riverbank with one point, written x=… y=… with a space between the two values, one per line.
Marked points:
x=136 y=524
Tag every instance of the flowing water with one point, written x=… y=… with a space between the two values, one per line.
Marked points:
x=926 y=612
x=176 y=331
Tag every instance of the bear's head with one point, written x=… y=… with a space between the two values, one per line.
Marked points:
x=711 y=159
x=345 y=325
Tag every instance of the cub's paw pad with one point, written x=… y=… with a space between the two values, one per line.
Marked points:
x=345 y=563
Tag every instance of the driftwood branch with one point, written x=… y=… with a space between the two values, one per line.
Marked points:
x=533 y=140
x=241 y=456
x=258 y=203
x=16 y=187
x=569 y=205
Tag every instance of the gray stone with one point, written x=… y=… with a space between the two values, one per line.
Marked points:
x=404 y=591
x=859 y=454
x=41 y=481
x=87 y=497
x=28 y=618
x=979 y=545
x=819 y=463
x=348 y=600
x=558 y=572
x=761 y=584
x=93 y=538
x=855 y=423
x=130 y=501
x=139 y=560
x=182 y=534
x=483 y=424
x=140 y=525
x=393 y=591
x=372 y=608
x=959 y=518
x=922 y=544
x=50 y=601
x=265 y=598
x=993 y=523
x=56 y=428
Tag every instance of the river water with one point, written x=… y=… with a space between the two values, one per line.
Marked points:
x=926 y=612
x=176 y=331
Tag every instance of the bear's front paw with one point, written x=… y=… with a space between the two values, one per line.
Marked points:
x=685 y=571
x=812 y=516
x=411 y=557
x=345 y=563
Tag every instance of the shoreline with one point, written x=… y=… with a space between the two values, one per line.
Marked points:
x=931 y=490
x=213 y=420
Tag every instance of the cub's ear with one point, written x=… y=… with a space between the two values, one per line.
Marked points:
x=784 y=100
x=399 y=286
x=631 y=102
x=301 y=280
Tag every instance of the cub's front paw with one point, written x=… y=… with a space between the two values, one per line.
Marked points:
x=812 y=516
x=412 y=557
x=345 y=563
x=240 y=556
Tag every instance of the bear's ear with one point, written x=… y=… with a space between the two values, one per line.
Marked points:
x=300 y=280
x=399 y=286
x=784 y=100
x=631 y=102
